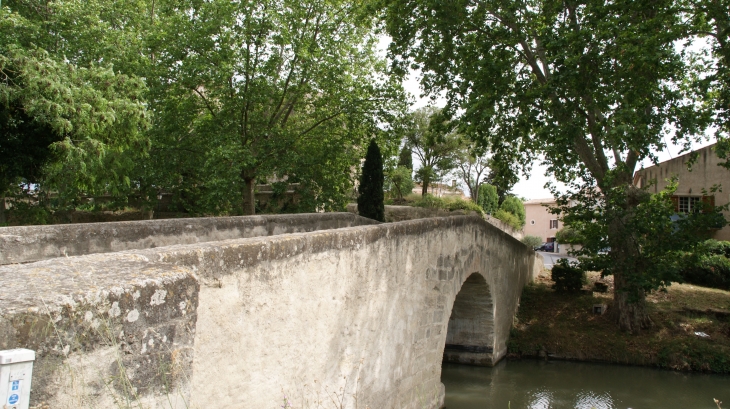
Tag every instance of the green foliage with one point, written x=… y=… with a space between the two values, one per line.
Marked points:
x=68 y=127
x=296 y=93
x=401 y=182
x=531 y=241
x=488 y=198
x=712 y=17
x=461 y=204
x=448 y=203
x=569 y=235
x=74 y=122
x=370 y=200
x=513 y=205
x=567 y=277
x=651 y=239
x=708 y=265
x=509 y=218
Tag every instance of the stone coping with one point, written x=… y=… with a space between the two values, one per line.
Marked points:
x=33 y=243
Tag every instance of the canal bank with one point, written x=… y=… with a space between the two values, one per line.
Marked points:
x=691 y=329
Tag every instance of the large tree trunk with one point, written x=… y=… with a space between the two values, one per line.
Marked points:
x=630 y=306
x=249 y=196
x=629 y=298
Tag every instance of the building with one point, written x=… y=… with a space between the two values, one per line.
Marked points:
x=693 y=185
x=539 y=221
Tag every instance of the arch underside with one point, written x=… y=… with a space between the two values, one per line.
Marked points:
x=470 y=333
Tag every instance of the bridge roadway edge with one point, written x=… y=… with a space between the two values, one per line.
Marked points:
x=362 y=308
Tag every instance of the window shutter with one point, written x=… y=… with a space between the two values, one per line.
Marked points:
x=708 y=202
x=675 y=202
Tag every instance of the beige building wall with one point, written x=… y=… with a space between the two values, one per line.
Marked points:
x=704 y=174
x=539 y=221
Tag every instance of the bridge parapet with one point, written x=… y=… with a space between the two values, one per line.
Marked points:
x=362 y=312
x=33 y=243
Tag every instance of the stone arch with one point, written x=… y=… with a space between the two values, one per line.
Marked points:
x=470 y=331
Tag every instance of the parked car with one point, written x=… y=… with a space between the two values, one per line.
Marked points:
x=549 y=247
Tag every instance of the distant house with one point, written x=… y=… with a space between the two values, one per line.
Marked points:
x=539 y=221
x=689 y=196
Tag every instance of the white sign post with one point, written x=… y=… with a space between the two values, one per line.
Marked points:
x=16 y=372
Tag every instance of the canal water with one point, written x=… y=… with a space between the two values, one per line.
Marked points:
x=532 y=384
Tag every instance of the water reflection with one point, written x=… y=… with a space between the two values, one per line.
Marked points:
x=566 y=385
x=540 y=400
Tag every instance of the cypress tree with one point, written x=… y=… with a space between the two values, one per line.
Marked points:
x=405 y=159
x=370 y=198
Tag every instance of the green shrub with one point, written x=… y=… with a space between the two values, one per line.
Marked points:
x=25 y=213
x=456 y=203
x=531 y=241
x=461 y=204
x=514 y=205
x=568 y=235
x=508 y=218
x=567 y=277
x=431 y=202
x=709 y=266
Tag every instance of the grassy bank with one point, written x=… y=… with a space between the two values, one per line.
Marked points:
x=562 y=326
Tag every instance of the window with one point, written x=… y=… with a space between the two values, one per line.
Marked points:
x=688 y=204
x=554 y=224
x=692 y=204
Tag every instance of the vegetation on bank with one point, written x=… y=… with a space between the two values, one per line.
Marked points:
x=691 y=330
x=434 y=202
x=709 y=266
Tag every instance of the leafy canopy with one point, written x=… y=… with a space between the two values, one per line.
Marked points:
x=592 y=87
x=432 y=137
x=66 y=124
x=273 y=89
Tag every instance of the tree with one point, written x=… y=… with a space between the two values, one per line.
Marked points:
x=405 y=158
x=569 y=235
x=713 y=23
x=658 y=236
x=401 y=182
x=488 y=199
x=254 y=90
x=592 y=86
x=431 y=136
x=471 y=166
x=67 y=126
x=370 y=198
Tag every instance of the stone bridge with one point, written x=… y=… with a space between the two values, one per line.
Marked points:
x=329 y=310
